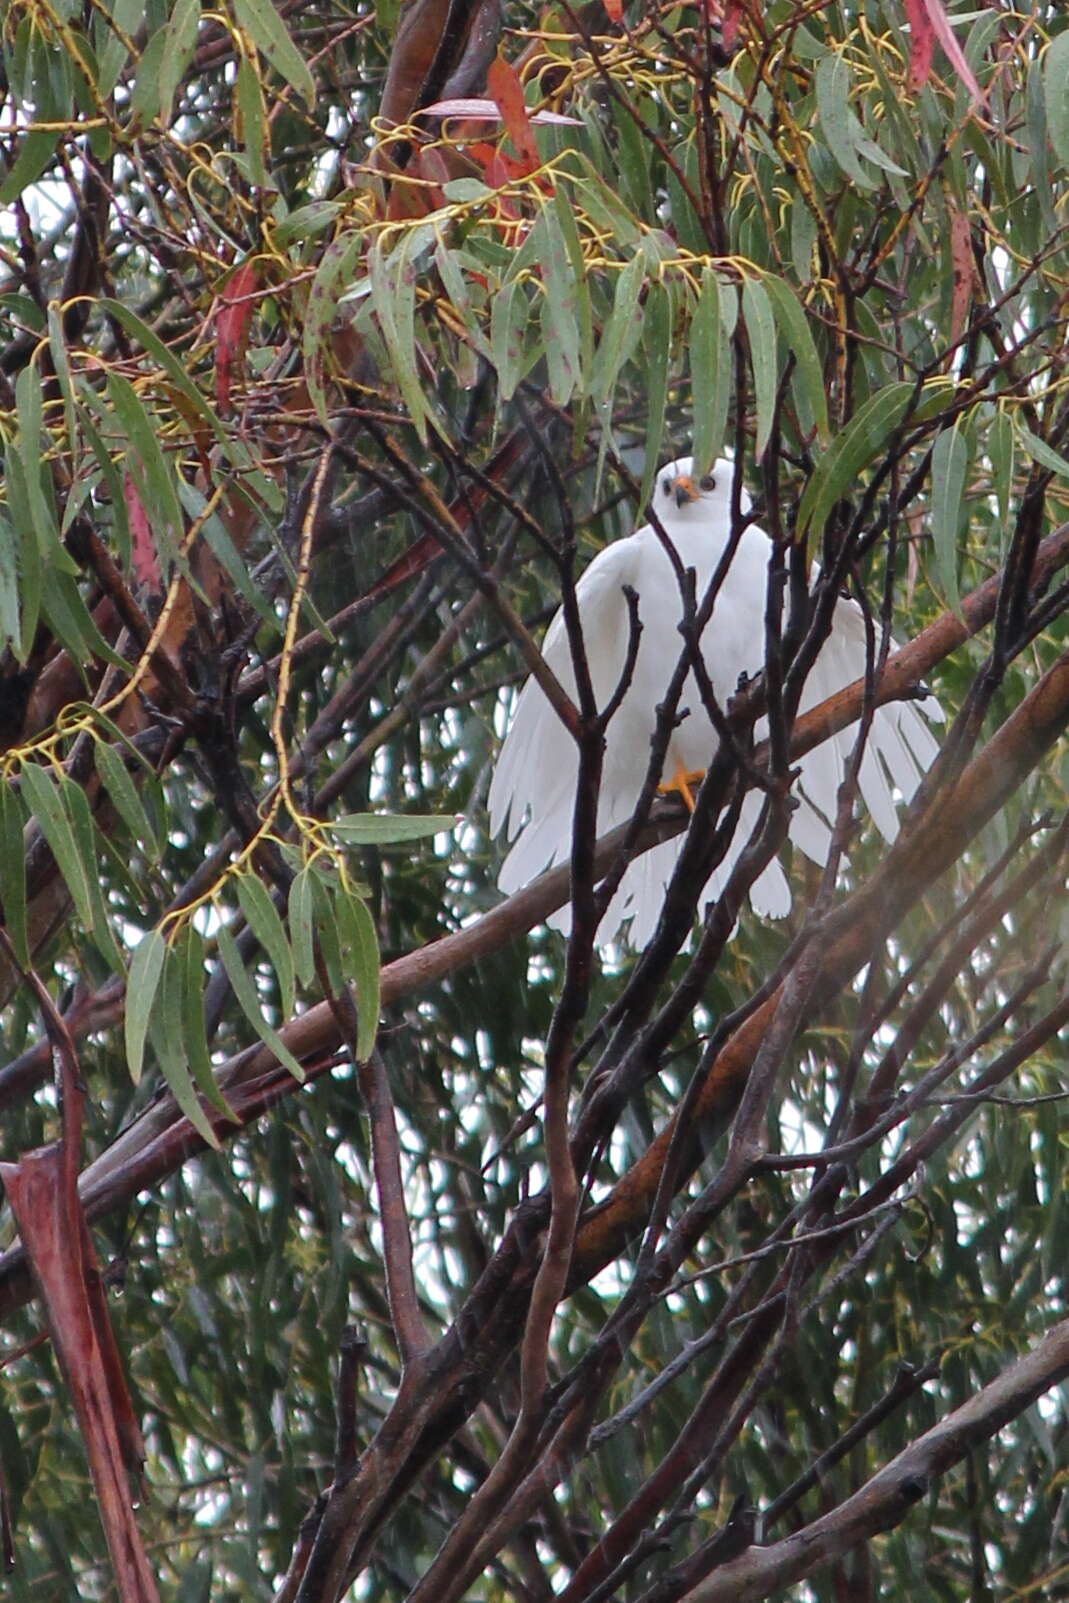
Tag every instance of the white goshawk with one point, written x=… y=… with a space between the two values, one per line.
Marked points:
x=532 y=794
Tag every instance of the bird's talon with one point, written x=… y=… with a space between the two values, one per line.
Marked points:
x=681 y=784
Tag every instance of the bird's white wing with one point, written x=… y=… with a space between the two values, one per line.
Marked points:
x=899 y=749
x=538 y=764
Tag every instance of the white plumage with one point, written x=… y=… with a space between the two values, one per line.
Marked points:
x=532 y=794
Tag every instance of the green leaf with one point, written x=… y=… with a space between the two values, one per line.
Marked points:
x=393 y=297
x=803 y=241
x=146 y=102
x=622 y=331
x=153 y=346
x=64 y=606
x=325 y=923
x=42 y=796
x=304 y=223
x=57 y=344
x=950 y=458
x=604 y=207
x=26 y=465
x=302 y=936
x=808 y=382
x=146 y=966
x=10 y=595
x=360 y=952
x=1039 y=450
x=189 y=957
x=149 y=466
x=223 y=548
x=841 y=128
x=560 y=325
x=29 y=570
x=462 y=191
x=249 y=1002
x=508 y=320
x=180 y=39
x=123 y=793
x=1000 y=450
x=13 y=872
x=455 y=286
x=761 y=329
x=76 y=803
x=565 y=216
x=634 y=160
x=263 y=919
x=860 y=442
x=112 y=55
x=657 y=342
x=710 y=373
x=250 y=103
x=36 y=150
x=167 y=1033
x=331 y=274
x=388 y=829
x=268 y=32
x=1056 y=94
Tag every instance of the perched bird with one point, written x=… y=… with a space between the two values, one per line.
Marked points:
x=532 y=794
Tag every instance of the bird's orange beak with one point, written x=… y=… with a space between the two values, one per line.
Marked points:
x=684 y=489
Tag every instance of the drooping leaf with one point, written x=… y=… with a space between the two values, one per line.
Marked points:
x=836 y=473
x=146 y=966
x=302 y=939
x=249 y=1002
x=266 y=924
x=232 y=325
x=710 y=377
x=189 y=958
x=42 y=795
x=327 y=287
x=761 y=331
x=809 y=377
x=949 y=462
x=657 y=344
x=167 y=1031
x=360 y=949
x=508 y=320
x=13 y=871
x=126 y=800
x=388 y=829
x=503 y=84
x=623 y=330
x=393 y=298
x=1039 y=450
x=269 y=33
x=837 y=120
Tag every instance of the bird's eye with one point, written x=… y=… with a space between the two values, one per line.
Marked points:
x=709 y=482
x=666 y=486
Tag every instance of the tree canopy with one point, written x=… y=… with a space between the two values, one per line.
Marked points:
x=362 y=1236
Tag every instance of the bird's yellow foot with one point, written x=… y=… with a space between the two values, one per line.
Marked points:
x=682 y=783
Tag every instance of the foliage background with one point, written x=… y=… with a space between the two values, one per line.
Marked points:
x=312 y=405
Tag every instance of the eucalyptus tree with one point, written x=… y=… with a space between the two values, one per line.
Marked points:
x=457 y=1259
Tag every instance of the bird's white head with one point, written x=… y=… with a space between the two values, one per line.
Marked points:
x=678 y=494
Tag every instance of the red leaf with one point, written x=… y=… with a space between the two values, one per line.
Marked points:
x=921 y=44
x=232 y=327
x=56 y=1242
x=962 y=259
x=927 y=18
x=143 y=554
x=729 y=26
x=506 y=90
